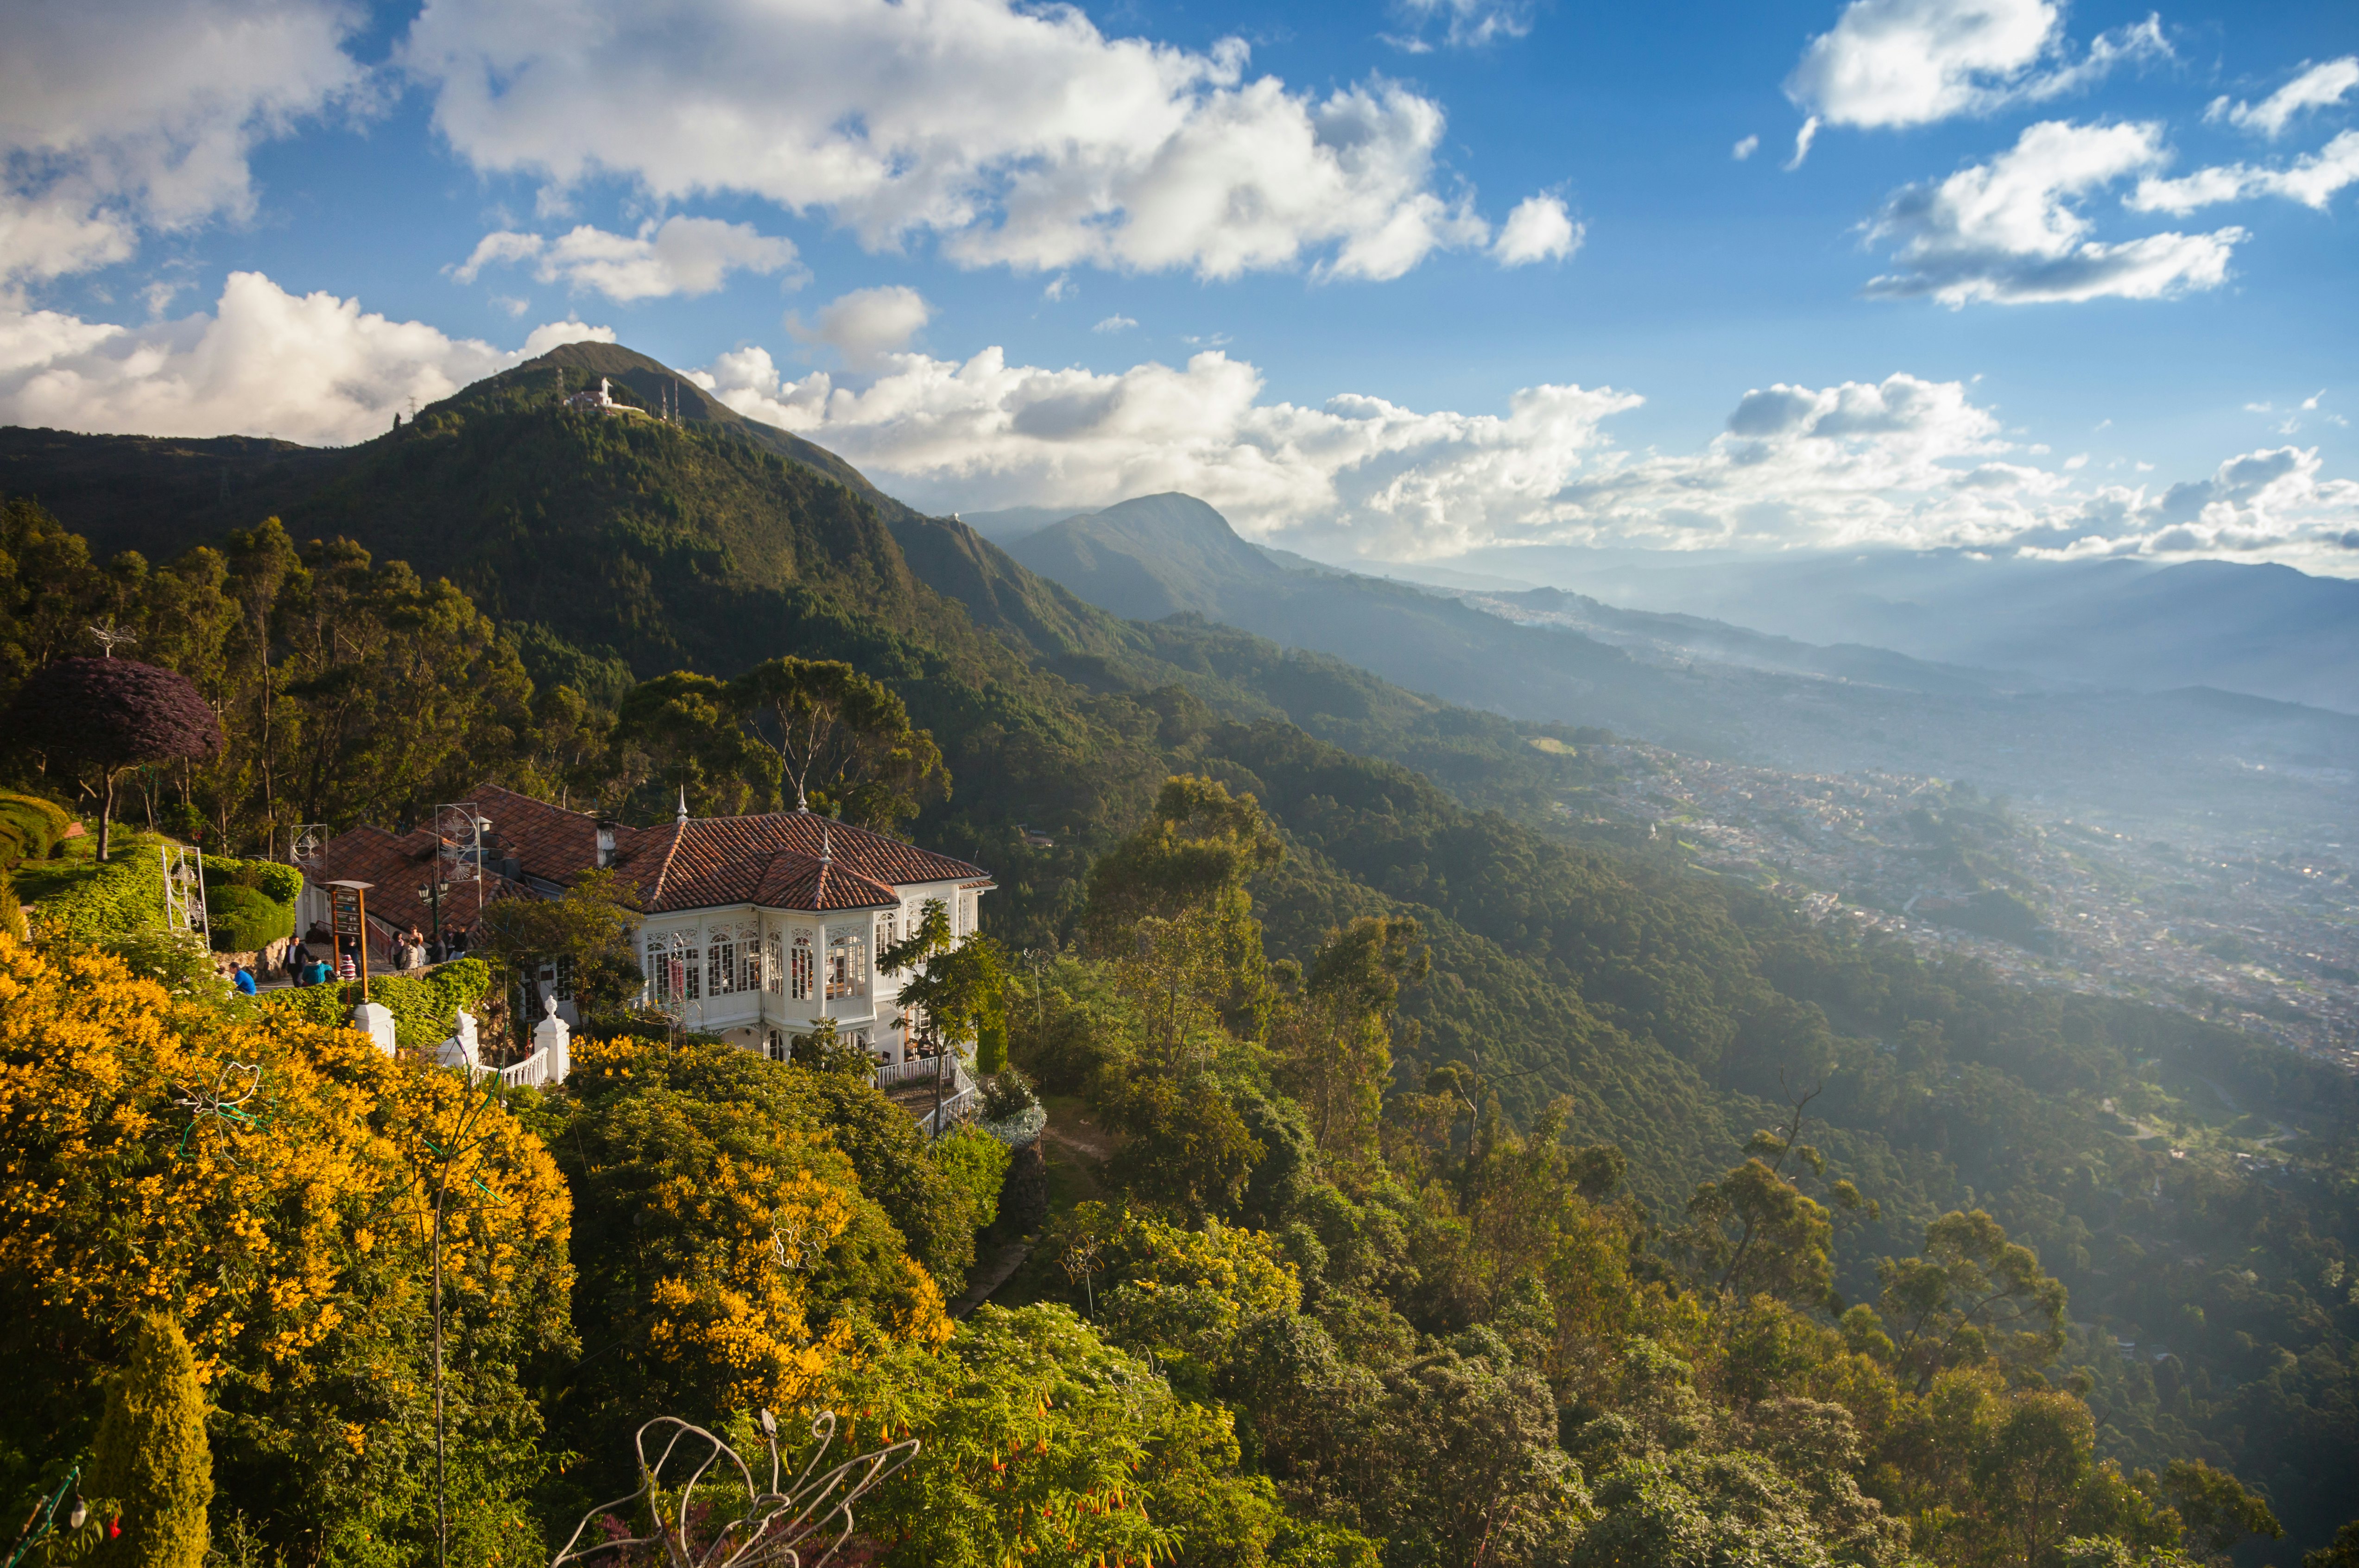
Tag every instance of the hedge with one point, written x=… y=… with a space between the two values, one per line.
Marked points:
x=424 y=1007
x=246 y=920
x=30 y=827
x=978 y=1162
x=280 y=884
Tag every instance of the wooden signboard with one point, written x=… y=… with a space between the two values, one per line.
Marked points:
x=348 y=916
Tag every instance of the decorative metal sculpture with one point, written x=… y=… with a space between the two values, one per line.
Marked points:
x=459 y=830
x=789 y=1250
x=778 y=1526
x=223 y=1102
x=307 y=845
x=184 y=893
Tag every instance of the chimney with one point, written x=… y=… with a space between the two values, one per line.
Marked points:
x=605 y=845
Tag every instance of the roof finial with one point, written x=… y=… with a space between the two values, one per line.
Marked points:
x=682 y=819
x=826 y=846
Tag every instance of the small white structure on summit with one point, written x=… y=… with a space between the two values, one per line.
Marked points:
x=602 y=401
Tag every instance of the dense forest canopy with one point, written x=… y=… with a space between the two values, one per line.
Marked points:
x=1456 y=1190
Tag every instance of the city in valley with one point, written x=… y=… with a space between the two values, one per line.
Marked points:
x=2256 y=930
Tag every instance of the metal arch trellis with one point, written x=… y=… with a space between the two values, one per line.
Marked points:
x=778 y=1524
x=458 y=846
x=184 y=893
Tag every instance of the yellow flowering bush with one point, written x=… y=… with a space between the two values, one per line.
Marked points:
x=271 y=1185
x=727 y=1250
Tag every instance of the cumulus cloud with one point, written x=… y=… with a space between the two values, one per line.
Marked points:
x=1891 y=63
x=1746 y=148
x=312 y=368
x=2318 y=87
x=2010 y=231
x=2311 y=180
x=1017 y=135
x=1115 y=324
x=1904 y=462
x=1539 y=229
x=121 y=116
x=867 y=325
x=680 y=255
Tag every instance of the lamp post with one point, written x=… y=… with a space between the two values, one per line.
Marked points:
x=431 y=895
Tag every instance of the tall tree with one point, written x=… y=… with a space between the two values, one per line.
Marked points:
x=1972 y=1294
x=152 y=1462
x=837 y=740
x=109 y=715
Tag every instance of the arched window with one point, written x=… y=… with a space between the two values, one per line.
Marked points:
x=749 y=957
x=720 y=962
x=776 y=973
x=673 y=970
x=801 y=968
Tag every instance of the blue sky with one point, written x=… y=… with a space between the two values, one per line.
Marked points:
x=1417 y=280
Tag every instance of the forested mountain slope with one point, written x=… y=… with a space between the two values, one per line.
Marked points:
x=1675 y=1015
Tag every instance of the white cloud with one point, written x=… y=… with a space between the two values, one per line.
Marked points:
x=117 y=118
x=1802 y=140
x=1467 y=24
x=1539 y=229
x=310 y=368
x=1059 y=287
x=1889 y=63
x=1746 y=148
x=867 y=325
x=1115 y=324
x=2318 y=87
x=1019 y=135
x=2311 y=180
x=1903 y=461
x=680 y=255
x=2009 y=231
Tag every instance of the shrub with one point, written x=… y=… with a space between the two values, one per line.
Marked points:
x=280 y=883
x=1006 y=1095
x=977 y=1163
x=246 y=920
x=90 y=902
x=153 y=1465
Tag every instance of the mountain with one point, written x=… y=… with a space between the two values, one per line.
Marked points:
x=1149 y=558
x=1720 y=690
x=2266 y=630
x=1671 y=1013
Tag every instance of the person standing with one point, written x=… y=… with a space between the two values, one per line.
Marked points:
x=299 y=964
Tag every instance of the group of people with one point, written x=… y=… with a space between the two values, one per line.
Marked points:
x=322 y=959
x=411 y=950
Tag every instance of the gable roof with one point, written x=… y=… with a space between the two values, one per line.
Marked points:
x=780 y=859
x=394 y=865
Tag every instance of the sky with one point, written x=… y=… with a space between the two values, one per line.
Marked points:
x=1381 y=282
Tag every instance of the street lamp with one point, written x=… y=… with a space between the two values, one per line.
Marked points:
x=431 y=895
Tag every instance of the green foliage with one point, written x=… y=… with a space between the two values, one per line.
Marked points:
x=977 y=1163
x=1973 y=1294
x=273 y=879
x=243 y=920
x=425 y=1008
x=152 y=1463
x=588 y=930
x=1043 y=1442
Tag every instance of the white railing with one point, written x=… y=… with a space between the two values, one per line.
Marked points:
x=954 y=1108
x=914 y=1067
x=533 y=1070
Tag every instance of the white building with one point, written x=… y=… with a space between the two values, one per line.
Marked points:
x=755 y=928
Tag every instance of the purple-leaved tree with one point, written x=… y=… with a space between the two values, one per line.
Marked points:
x=111 y=714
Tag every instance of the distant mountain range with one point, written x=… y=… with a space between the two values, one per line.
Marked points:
x=1716 y=689
x=2265 y=630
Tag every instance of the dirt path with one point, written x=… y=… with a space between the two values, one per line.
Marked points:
x=990 y=1275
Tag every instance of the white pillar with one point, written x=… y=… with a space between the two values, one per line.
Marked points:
x=374 y=1020
x=461 y=1049
x=550 y=1035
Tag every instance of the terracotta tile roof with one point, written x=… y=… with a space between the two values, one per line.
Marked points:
x=394 y=866
x=713 y=860
x=797 y=882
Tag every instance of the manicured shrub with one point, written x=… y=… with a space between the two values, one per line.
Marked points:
x=281 y=883
x=246 y=920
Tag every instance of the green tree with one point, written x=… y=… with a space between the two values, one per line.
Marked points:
x=152 y=1464
x=2215 y=1511
x=1972 y=1294
x=957 y=989
x=1337 y=1040
x=837 y=742
x=587 y=931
